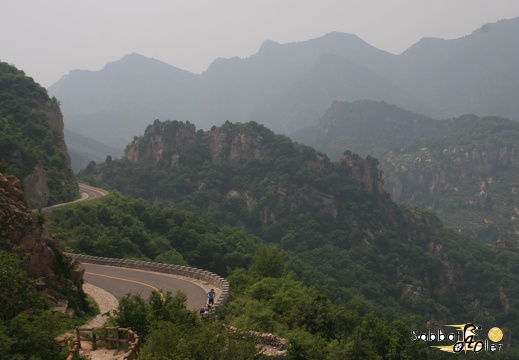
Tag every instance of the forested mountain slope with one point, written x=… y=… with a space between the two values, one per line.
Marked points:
x=465 y=168
x=335 y=216
x=32 y=146
x=272 y=291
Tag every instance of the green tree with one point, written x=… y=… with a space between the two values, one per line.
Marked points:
x=18 y=289
x=32 y=336
x=132 y=312
x=268 y=262
x=208 y=340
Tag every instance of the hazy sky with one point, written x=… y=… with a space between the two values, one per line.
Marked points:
x=47 y=39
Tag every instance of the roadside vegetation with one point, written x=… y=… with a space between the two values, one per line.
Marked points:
x=28 y=327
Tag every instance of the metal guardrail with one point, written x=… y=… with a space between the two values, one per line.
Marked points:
x=186 y=271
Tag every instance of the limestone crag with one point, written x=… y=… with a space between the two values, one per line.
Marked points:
x=246 y=147
x=56 y=125
x=365 y=173
x=36 y=186
x=16 y=219
x=163 y=142
x=36 y=183
x=171 y=141
x=217 y=145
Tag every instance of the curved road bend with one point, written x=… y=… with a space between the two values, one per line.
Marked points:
x=87 y=193
x=119 y=281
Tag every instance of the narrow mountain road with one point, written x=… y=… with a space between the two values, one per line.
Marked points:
x=87 y=193
x=104 y=281
x=119 y=281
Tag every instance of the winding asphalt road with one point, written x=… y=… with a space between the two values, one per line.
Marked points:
x=119 y=281
x=87 y=193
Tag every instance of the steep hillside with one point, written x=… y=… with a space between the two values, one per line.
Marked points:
x=467 y=173
x=335 y=216
x=465 y=169
x=32 y=145
x=35 y=277
x=21 y=231
x=287 y=87
x=265 y=282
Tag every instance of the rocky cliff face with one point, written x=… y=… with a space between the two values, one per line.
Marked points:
x=163 y=142
x=173 y=142
x=365 y=172
x=476 y=180
x=37 y=181
x=430 y=172
x=170 y=141
x=21 y=229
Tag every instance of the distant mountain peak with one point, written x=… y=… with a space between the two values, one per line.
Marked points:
x=490 y=27
x=268 y=45
x=134 y=59
x=336 y=35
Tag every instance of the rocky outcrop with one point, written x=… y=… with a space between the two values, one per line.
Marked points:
x=173 y=141
x=163 y=142
x=246 y=147
x=15 y=218
x=37 y=181
x=21 y=229
x=37 y=189
x=365 y=172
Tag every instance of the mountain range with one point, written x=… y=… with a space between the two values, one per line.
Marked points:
x=287 y=87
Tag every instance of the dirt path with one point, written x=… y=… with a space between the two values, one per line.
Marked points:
x=106 y=302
